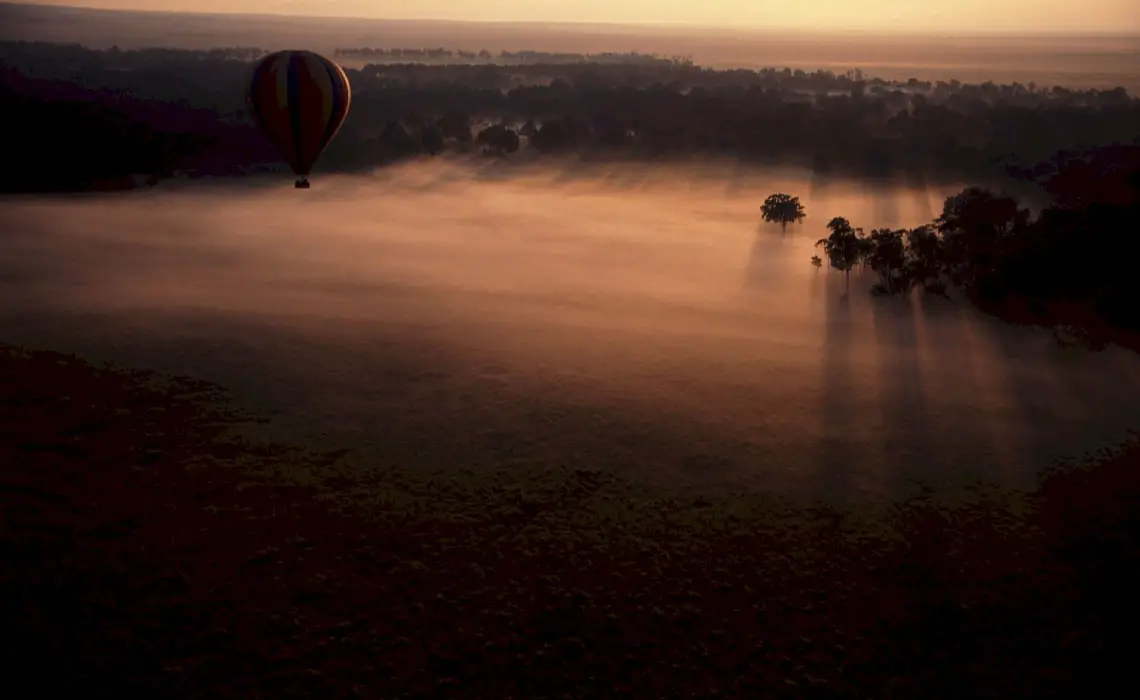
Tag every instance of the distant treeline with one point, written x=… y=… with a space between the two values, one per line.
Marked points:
x=157 y=111
x=441 y=55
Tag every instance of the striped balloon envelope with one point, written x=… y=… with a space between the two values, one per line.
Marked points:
x=299 y=99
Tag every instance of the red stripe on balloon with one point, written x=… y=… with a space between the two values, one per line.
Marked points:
x=314 y=91
x=270 y=105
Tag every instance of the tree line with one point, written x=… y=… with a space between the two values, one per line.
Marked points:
x=442 y=55
x=840 y=123
x=1071 y=263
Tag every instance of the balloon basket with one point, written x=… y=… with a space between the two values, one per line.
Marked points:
x=301 y=184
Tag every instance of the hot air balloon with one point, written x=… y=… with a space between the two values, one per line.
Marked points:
x=299 y=99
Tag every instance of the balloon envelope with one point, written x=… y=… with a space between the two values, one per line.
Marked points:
x=299 y=99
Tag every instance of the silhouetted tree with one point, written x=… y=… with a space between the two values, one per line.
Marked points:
x=563 y=134
x=886 y=255
x=397 y=141
x=924 y=256
x=841 y=246
x=498 y=140
x=974 y=225
x=455 y=125
x=432 y=140
x=782 y=209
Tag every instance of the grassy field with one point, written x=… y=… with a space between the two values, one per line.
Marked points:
x=149 y=549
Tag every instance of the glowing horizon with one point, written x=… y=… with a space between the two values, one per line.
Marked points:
x=959 y=16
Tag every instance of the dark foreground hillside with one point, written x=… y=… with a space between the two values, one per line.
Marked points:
x=146 y=552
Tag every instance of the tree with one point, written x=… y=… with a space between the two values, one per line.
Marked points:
x=886 y=254
x=842 y=246
x=432 y=140
x=397 y=141
x=974 y=224
x=498 y=140
x=561 y=134
x=783 y=209
x=455 y=125
x=924 y=256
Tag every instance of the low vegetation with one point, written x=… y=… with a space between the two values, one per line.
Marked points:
x=149 y=549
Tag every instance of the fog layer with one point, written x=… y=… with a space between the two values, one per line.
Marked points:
x=632 y=320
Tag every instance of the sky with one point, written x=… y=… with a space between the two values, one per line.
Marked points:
x=946 y=15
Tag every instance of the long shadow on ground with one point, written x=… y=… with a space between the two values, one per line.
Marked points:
x=147 y=549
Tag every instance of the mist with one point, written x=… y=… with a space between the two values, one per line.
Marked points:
x=621 y=318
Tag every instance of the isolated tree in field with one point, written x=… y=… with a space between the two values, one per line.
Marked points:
x=842 y=246
x=782 y=209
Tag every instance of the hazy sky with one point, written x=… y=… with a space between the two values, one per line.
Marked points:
x=1030 y=15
